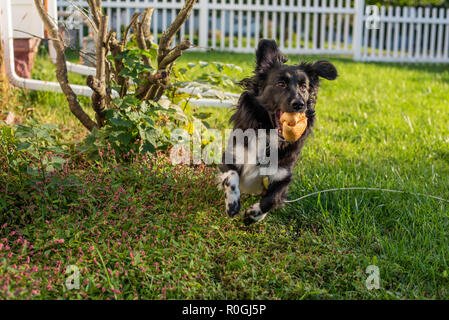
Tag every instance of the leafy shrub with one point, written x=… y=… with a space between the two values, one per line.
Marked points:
x=411 y=3
x=133 y=125
x=35 y=149
x=146 y=126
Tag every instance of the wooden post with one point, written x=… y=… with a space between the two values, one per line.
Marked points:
x=203 y=23
x=358 y=29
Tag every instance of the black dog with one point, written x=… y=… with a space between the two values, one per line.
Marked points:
x=275 y=88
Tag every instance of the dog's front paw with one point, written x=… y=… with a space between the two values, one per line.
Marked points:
x=233 y=207
x=253 y=214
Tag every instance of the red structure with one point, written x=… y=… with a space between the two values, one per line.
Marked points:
x=24 y=53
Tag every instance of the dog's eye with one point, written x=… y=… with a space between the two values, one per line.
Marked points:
x=303 y=86
x=281 y=84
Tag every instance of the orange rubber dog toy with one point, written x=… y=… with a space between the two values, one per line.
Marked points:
x=293 y=125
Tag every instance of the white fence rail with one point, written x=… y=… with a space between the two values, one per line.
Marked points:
x=299 y=26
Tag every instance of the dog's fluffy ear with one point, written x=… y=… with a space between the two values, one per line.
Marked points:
x=325 y=69
x=268 y=55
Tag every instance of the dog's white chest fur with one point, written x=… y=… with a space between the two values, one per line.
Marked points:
x=251 y=181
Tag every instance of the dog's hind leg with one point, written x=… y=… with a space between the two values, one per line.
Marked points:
x=273 y=198
x=230 y=184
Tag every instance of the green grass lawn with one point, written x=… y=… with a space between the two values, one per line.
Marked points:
x=148 y=230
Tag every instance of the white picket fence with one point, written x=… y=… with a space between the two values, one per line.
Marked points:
x=407 y=34
x=299 y=26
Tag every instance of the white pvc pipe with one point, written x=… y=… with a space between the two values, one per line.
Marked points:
x=212 y=103
x=209 y=93
x=31 y=84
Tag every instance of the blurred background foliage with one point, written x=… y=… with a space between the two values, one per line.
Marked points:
x=410 y=3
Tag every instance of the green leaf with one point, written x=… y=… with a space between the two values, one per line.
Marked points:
x=23 y=132
x=146 y=147
x=41 y=133
x=23 y=146
x=206 y=124
x=32 y=171
x=218 y=65
x=122 y=55
x=58 y=160
x=125 y=138
x=128 y=101
x=48 y=127
x=57 y=150
x=125 y=72
x=149 y=134
x=203 y=115
x=119 y=122
x=148 y=120
x=133 y=116
x=141 y=52
x=153 y=53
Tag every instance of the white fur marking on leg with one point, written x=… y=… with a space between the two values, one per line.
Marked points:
x=230 y=183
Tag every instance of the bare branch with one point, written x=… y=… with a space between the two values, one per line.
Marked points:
x=98 y=84
x=115 y=49
x=151 y=80
x=95 y=10
x=168 y=34
x=146 y=22
x=34 y=36
x=140 y=37
x=134 y=21
x=86 y=16
x=155 y=84
x=174 y=54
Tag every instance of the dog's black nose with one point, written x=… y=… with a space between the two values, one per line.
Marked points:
x=298 y=104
